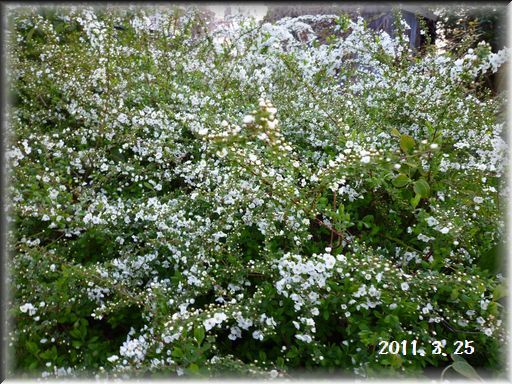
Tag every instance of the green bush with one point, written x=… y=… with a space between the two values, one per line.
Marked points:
x=248 y=201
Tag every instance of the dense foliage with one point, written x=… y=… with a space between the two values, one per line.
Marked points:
x=248 y=200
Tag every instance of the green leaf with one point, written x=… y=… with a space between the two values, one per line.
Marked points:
x=499 y=292
x=401 y=181
x=407 y=143
x=76 y=333
x=199 y=334
x=456 y=357
x=392 y=320
x=76 y=343
x=32 y=347
x=395 y=132
x=493 y=308
x=193 y=368
x=322 y=202
x=490 y=260
x=385 y=362
x=466 y=370
x=396 y=361
x=415 y=200
x=29 y=35
x=429 y=127
x=177 y=352
x=49 y=354
x=422 y=188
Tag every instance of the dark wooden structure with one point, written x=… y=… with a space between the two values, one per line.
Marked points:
x=378 y=17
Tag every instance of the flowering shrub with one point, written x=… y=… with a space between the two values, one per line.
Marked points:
x=248 y=200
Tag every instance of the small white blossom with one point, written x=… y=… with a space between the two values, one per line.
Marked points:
x=28 y=307
x=248 y=119
x=258 y=335
x=113 y=358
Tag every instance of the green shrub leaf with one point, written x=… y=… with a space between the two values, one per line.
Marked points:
x=422 y=188
x=401 y=181
x=407 y=143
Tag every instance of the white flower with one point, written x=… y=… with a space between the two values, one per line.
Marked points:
x=28 y=307
x=424 y=238
x=431 y=221
x=434 y=146
x=462 y=322
x=373 y=291
x=309 y=322
x=219 y=317
x=258 y=335
x=404 y=286
x=330 y=261
x=236 y=333
x=478 y=200
x=122 y=118
x=113 y=358
x=305 y=338
x=218 y=235
x=209 y=324
x=248 y=119
x=167 y=339
x=445 y=230
x=53 y=194
x=365 y=159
